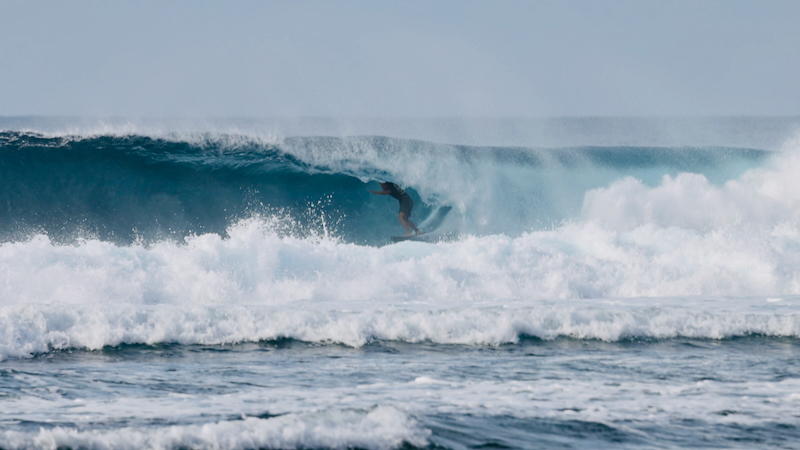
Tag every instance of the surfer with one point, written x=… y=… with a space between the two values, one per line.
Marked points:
x=406 y=204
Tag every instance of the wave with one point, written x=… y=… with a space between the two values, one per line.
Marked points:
x=59 y=327
x=216 y=238
x=134 y=188
x=380 y=428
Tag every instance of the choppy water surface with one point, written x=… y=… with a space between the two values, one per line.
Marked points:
x=565 y=393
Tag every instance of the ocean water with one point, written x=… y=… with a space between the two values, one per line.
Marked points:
x=232 y=284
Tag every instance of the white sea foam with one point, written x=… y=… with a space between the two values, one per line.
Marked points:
x=381 y=428
x=257 y=266
x=257 y=285
x=763 y=197
x=36 y=329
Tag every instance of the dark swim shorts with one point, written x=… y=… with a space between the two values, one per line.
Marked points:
x=405 y=205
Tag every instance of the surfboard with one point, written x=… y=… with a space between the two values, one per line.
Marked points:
x=428 y=226
x=415 y=237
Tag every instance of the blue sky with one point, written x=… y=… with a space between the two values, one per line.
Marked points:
x=399 y=59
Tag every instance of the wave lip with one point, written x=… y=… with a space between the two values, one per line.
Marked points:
x=379 y=429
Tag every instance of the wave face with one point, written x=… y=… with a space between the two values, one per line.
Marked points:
x=131 y=188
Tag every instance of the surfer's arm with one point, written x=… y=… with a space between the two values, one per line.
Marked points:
x=380 y=192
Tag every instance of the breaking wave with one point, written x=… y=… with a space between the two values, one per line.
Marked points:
x=213 y=239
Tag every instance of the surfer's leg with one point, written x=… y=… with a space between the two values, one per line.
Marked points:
x=416 y=230
x=408 y=225
x=406 y=204
x=404 y=222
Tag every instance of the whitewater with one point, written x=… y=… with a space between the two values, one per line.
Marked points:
x=594 y=283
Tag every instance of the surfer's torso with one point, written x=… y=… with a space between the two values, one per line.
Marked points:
x=396 y=191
